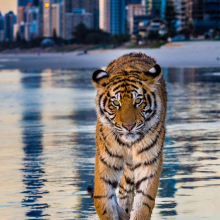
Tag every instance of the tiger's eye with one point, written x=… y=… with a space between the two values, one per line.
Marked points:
x=137 y=101
x=116 y=102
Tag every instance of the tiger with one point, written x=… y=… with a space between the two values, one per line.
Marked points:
x=131 y=104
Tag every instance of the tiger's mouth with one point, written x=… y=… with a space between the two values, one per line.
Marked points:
x=129 y=137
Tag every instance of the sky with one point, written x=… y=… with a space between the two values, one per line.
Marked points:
x=8 y=5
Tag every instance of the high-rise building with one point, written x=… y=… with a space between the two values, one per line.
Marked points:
x=112 y=16
x=10 y=20
x=156 y=7
x=77 y=17
x=206 y=14
x=2 y=32
x=127 y=2
x=132 y=10
x=31 y=14
x=20 y=14
x=183 y=10
x=30 y=30
x=80 y=16
x=24 y=2
x=67 y=8
x=40 y=18
x=47 y=32
x=56 y=19
x=91 y=6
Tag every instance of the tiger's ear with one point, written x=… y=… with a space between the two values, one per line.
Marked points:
x=153 y=74
x=100 y=78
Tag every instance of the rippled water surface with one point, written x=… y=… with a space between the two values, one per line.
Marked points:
x=47 y=147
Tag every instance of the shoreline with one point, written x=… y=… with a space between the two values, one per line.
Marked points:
x=177 y=54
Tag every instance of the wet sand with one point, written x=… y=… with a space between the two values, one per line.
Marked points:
x=184 y=54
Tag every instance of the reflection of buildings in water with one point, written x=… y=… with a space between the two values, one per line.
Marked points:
x=77 y=126
x=61 y=140
x=190 y=99
x=81 y=148
x=33 y=171
x=165 y=201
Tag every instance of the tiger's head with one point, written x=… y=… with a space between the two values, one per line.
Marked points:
x=127 y=100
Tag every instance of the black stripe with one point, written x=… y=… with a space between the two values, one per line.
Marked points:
x=124 y=197
x=104 y=101
x=119 y=79
x=137 y=165
x=111 y=196
x=104 y=212
x=137 y=184
x=116 y=88
x=147 y=206
x=120 y=142
x=114 y=184
x=155 y=108
x=100 y=97
x=113 y=117
x=110 y=166
x=144 y=194
x=111 y=154
x=150 y=162
x=99 y=197
x=128 y=84
x=154 y=142
x=127 y=191
x=123 y=80
x=129 y=180
x=149 y=100
x=130 y=166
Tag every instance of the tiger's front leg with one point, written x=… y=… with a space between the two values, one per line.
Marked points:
x=147 y=177
x=108 y=172
x=126 y=188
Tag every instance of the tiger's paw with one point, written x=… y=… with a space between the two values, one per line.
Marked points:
x=139 y=215
x=122 y=215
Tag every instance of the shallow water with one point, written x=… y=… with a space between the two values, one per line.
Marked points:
x=47 y=148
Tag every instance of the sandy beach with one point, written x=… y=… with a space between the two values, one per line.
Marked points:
x=184 y=54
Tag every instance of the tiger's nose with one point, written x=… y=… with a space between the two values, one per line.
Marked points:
x=129 y=126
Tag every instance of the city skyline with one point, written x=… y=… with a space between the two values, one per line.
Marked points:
x=10 y=5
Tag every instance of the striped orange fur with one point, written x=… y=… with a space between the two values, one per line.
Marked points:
x=130 y=132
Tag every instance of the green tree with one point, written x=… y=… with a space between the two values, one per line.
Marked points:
x=119 y=39
x=80 y=33
x=54 y=35
x=170 y=17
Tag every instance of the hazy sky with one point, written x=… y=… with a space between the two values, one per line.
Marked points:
x=8 y=5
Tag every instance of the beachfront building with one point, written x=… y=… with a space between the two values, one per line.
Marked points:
x=112 y=16
x=155 y=7
x=47 y=31
x=67 y=9
x=78 y=16
x=56 y=19
x=2 y=32
x=206 y=14
x=20 y=14
x=10 y=20
x=132 y=10
x=24 y=2
x=141 y=20
x=183 y=10
x=91 y=6
x=127 y=2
